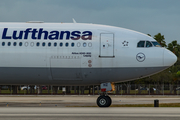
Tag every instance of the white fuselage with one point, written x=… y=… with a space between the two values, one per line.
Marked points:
x=76 y=54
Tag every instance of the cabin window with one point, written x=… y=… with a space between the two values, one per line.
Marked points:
x=14 y=43
x=32 y=44
x=20 y=44
x=3 y=43
x=9 y=43
x=26 y=44
x=90 y=44
x=141 y=44
x=43 y=44
x=67 y=44
x=61 y=44
x=84 y=44
x=55 y=44
x=72 y=44
x=78 y=44
x=148 y=44
x=37 y=44
x=156 y=44
x=49 y=44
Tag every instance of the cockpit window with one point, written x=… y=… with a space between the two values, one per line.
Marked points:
x=156 y=44
x=141 y=44
x=148 y=44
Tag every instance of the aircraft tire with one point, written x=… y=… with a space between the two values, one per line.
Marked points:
x=110 y=101
x=103 y=101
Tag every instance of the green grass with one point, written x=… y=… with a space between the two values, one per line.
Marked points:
x=132 y=92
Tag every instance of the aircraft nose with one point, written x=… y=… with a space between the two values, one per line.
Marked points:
x=169 y=58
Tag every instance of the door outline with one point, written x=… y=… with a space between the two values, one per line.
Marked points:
x=100 y=43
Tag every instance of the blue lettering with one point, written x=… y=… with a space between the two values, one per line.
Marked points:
x=27 y=31
x=87 y=35
x=54 y=35
x=42 y=32
x=75 y=35
x=19 y=36
x=67 y=35
x=4 y=34
x=34 y=33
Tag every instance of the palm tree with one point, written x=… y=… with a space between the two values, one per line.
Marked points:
x=160 y=39
x=174 y=47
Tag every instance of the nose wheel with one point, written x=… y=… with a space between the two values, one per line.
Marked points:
x=104 y=101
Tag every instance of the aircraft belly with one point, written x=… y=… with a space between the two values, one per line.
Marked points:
x=89 y=76
x=66 y=74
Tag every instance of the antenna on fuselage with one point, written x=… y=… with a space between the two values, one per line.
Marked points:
x=74 y=20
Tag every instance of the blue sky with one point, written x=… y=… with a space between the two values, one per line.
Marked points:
x=146 y=16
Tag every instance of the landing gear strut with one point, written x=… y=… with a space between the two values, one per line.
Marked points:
x=104 y=100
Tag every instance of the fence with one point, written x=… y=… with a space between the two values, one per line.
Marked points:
x=120 y=89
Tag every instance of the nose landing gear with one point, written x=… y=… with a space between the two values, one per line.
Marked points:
x=104 y=100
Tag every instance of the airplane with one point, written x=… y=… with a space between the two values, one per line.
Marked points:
x=36 y=53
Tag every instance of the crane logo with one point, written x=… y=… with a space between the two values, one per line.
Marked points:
x=140 y=57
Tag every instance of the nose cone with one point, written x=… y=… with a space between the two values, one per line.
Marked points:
x=169 y=58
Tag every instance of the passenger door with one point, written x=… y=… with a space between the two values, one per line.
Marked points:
x=106 y=45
